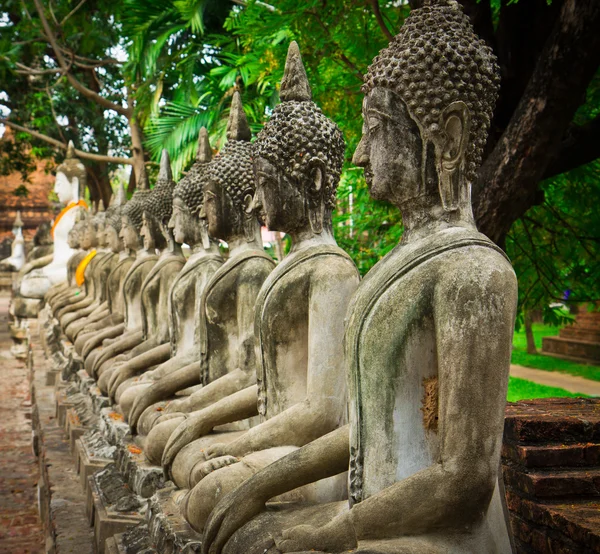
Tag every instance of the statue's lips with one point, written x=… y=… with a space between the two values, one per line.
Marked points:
x=368 y=172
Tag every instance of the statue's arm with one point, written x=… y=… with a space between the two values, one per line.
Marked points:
x=324 y=408
x=325 y=457
x=235 y=407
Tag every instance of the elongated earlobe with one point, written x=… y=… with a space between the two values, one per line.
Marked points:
x=455 y=123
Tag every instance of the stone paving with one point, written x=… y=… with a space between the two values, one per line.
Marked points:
x=21 y=529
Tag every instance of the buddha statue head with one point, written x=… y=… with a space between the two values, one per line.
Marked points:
x=158 y=209
x=77 y=234
x=229 y=187
x=188 y=198
x=298 y=158
x=112 y=221
x=429 y=97
x=132 y=214
x=70 y=178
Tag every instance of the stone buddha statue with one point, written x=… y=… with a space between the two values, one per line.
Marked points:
x=41 y=253
x=145 y=259
x=299 y=315
x=227 y=317
x=182 y=357
x=154 y=331
x=69 y=187
x=91 y=240
x=156 y=349
x=80 y=244
x=102 y=273
x=88 y=268
x=429 y=331
x=16 y=260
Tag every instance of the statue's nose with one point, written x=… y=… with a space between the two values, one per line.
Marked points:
x=361 y=157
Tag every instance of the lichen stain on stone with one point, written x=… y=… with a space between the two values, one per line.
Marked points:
x=430 y=403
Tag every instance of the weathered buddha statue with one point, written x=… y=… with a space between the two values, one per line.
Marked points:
x=227 y=316
x=78 y=241
x=16 y=260
x=299 y=315
x=107 y=274
x=41 y=253
x=157 y=348
x=429 y=331
x=158 y=210
x=145 y=259
x=69 y=187
x=182 y=357
x=89 y=242
x=88 y=269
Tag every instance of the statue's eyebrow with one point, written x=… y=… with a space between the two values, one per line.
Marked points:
x=381 y=114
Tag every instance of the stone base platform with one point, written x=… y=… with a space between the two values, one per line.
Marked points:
x=551 y=455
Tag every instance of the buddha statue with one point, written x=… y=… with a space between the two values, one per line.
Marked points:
x=299 y=315
x=181 y=359
x=102 y=273
x=88 y=269
x=227 y=316
x=77 y=240
x=154 y=331
x=145 y=259
x=41 y=253
x=75 y=296
x=16 y=260
x=110 y=313
x=69 y=187
x=157 y=348
x=429 y=331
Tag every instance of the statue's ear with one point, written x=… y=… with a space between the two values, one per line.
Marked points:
x=455 y=122
x=317 y=176
x=248 y=204
x=454 y=130
x=75 y=185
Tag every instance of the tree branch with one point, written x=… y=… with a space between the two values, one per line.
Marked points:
x=258 y=3
x=507 y=182
x=72 y=12
x=62 y=146
x=380 y=21
x=580 y=146
x=105 y=103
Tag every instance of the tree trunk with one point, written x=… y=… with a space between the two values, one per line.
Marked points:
x=137 y=148
x=531 y=348
x=507 y=183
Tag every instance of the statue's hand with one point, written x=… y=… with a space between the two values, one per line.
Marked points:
x=216 y=450
x=187 y=431
x=332 y=537
x=201 y=470
x=232 y=512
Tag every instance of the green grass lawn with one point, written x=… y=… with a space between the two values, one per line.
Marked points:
x=521 y=389
x=548 y=363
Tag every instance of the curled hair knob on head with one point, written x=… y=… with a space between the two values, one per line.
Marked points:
x=190 y=188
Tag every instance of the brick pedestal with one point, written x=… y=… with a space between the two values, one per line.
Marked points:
x=551 y=459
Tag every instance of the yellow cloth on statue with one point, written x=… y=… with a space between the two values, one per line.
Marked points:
x=80 y=271
x=81 y=204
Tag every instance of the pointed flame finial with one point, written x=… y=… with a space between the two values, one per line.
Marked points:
x=18 y=221
x=204 y=154
x=165 y=173
x=237 y=126
x=294 y=85
x=101 y=206
x=121 y=197
x=70 y=150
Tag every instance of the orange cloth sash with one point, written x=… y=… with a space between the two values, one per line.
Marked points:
x=72 y=205
x=80 y=271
